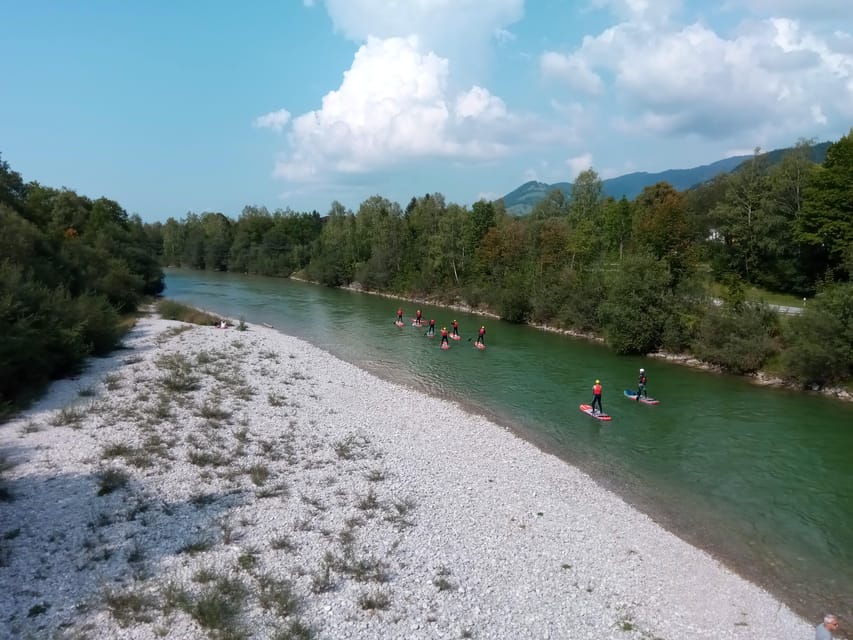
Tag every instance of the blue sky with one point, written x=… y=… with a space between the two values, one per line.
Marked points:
x=170 y=107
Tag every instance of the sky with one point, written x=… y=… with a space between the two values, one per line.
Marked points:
x=173 y=106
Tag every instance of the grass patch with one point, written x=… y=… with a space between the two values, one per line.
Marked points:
x=259 y=473
x=296 y=630
x=112 y=479
x=112 y=381
x=197 y=546
x=178 y=375
x=171 y=310
x=130 y=607
x=68 y=417
x=282 y=543
x=374 y=601
x=278 y=596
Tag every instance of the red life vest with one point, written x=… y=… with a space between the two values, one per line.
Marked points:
x=596 y=389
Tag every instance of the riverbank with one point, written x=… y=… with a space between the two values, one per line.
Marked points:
x=208 y=479
x=761 y=378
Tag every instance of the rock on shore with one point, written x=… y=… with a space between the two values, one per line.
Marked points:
x=220 y=483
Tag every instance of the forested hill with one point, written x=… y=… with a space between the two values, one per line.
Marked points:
x=522 y=200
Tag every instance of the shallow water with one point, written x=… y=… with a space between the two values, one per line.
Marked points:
x=760 y=477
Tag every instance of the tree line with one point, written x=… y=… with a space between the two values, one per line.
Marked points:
x=638 y=272
x=70 y=268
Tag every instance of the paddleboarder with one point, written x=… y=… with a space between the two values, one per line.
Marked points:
x=400 y=315
x=481 y=336
x=431 y=329
x=455 y=326
x=444 y=336
x=418 y=317
x=596 y=397
x=641 y=385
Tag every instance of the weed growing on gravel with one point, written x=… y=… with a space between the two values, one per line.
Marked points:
x=197 y=546
x=86 y=392
x=112 y=479
x=259 y=473
x=398 y=514
x=375 y=600
x=369 y=502
x=276 y=400
x=376 y=475
x=282 y=543
x=178 y=376
x=248 y=560
x=217 y=607
x=130 y=606
x=207 y=458
x=112 y=381
x=277 y=596
x=321 y=579
x=296 y=630
x=67 y=417
x=441 y=581
x=210 y=410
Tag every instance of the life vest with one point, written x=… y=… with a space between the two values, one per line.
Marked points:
x=432 y=323
x=444 y=333
x=596 y=389
x=482 y=331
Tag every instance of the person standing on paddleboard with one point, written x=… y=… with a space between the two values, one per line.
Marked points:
x=455 y=326
x=418 y=317
x=596 y=397
x=481 y=337
x=444 y=336
x=641 y=385
x=431 y=330
x=400 y=315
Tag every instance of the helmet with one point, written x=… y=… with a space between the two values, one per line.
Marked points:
x=642 y=370
x=444 y=328
x=598 y=382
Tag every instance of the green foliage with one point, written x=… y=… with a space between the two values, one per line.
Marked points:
x=172 y=310
x=820 y=340
x=636 y=309
x=737 y=337
x=69 y=266
x=826 y=226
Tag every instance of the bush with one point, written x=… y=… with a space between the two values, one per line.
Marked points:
x=171 y=310
x=820 y=340
x=739 y=339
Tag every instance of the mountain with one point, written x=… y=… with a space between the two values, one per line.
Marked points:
x=521 y=201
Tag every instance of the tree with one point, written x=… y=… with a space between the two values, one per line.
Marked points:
x=660 y=227
x=826 y=224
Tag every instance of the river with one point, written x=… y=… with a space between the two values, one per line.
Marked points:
x=760 y=477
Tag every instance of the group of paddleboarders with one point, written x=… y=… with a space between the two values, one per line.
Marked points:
x=596 y=392
x=419 y=320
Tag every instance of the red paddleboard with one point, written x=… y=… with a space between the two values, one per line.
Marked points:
x=455 y=337
x=398 y=323
x=445 y=346
x=587 y=409
x=480 y=346
x=430 y=335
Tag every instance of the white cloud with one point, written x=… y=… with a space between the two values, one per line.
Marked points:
x=441 y=25
x=393 y=104
x=647 y=12
x=690 y=79
x=579 y=164
x=571 y=69
x=275 y=120
x=478 y=103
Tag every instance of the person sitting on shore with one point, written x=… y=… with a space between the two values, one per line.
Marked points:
x=824 y=629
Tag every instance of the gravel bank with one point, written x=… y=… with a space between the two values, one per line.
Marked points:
x=218 y=483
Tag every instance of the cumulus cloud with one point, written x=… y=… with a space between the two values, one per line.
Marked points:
x=393 y=104
x=275 y=120
x=440 y=24
x=692 y=80
x=572 y=70
x=579 y=164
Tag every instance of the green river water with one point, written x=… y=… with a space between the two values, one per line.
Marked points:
x=759 y=477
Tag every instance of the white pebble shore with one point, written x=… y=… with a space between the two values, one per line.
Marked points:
x=433 y=522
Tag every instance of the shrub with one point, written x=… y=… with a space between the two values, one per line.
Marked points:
x=738 y=339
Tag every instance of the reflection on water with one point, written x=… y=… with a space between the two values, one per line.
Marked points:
x=759 y=476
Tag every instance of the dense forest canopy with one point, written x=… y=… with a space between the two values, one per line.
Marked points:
x=640 y=272
x=69 y=266
x=666 y=270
